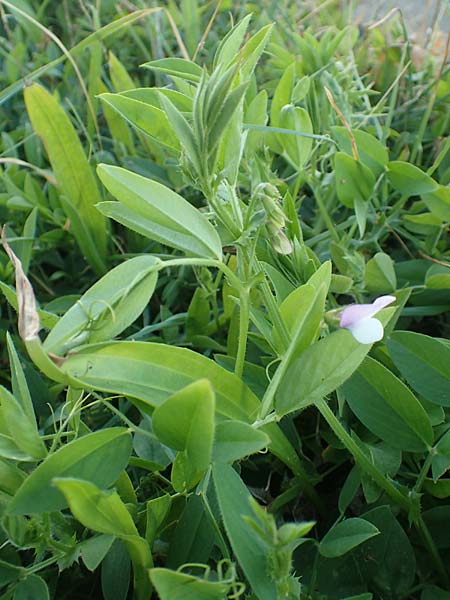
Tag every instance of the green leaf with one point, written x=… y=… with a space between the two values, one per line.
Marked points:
x=11 y=477
x=388 y=408
x=438 y=202
x=424 y=363
x=438 y=277
x=230 y=44
x=380 y=275
x=387 y=561
x=184 y=132
x=18 y=381
x=319 y=370
x=185 y=422
x=98 y=457
x=152 y=97
x=71 y=169
x=157 y=511
x=108 y=307
x=115 y=572
x=106 y=513
x=256 y=114
x=371 y=151
x=10 y=572
x=252 y=50
x=302 y=310
x=173 y=585
x=282 y=95
x=441 y=458
x=409 y=180
x=354 y=181
x=22 y=430
x=234 y=440
x=251 y=553
x=100 y=511
x=120 y=78
x=194 y=536
x=151 y=372
x=32 y=587
x=434 y=593
x=176 y=67
x=345 y=536
x=296 y=147
x=301 y=89
x=159 y=213
x=224 y=115
x=146 y=118
x=94 y=550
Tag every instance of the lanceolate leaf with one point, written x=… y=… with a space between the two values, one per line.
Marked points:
x=71 y=168
x=252 y=554
x=156 y=211
x=176 y=67
x=146 y=118
x=97 y=457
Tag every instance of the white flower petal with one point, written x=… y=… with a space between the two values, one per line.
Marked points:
x=355 y=312
x=367 y=331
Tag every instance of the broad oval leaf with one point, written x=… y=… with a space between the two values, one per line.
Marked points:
x=98 y=457
x=108 y=307
x=345 y=536
x=380 y=275
x=233 y=440
x=354 y=181
x=388 y=408
x=424 y=362
x=297 y=147
x=371 y=151
x=32 y=587
x=157 y=212
x=409 y=179
x=185 y=422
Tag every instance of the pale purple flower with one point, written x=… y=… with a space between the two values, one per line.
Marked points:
x=358 y=318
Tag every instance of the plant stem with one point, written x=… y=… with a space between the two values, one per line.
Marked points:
x=360 y=458
x=272 y=307
x=203 y=262
x=431 y=547
x=244 y=317
x=325 y=216
x=423 y=472
x=396 y=495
